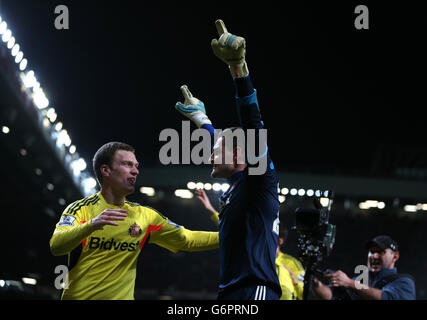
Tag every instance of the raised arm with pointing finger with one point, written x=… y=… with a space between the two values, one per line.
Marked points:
x=248 y=212
x=249 y=209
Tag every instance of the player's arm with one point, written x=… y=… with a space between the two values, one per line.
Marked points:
x=71 y=230
x=195 y=110
x=176 y=238
x=203 y=197
x=231 y=49
x=299 y=287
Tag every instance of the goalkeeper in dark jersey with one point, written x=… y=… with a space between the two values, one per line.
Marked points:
x=249 y=209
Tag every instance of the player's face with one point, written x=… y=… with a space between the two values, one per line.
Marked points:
x=379 y=259
x=123 y=173
x=219 y=154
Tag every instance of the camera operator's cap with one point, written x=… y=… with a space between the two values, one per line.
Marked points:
x=383 y=242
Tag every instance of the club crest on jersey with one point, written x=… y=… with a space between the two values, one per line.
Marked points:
x=134 y=230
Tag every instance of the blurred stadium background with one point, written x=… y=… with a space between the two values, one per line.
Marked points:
x=380 y=183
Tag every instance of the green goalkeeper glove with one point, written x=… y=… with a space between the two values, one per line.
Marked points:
x=192 y=108
x=231 y=49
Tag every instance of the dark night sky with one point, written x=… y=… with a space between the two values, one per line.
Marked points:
x=326 y=90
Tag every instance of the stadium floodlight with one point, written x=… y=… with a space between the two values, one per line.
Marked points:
x=89 y=183
x=72 y=149
x=371 y=203
x=301 y=192
x=30 y=281
x=3 y=27
x=29 y=79
x=183 y=193
x=15 y=49
x=149 y=191
x=294 y=191
x=199 y=185
x=285 y=191
x=381 y=205
x=324 y=202
x=23 y=64
x=191 y=185
x=51 y=115
x=207 y=186
x=78 y=166
x=68 y=141
x=81 y=163
x=310 y=192
x=63 y=139
x=7 y=35
x=5 y=129
x=46 y=123
x=58 y=126
x=11 y=43
x=19 y=57
x=282 y=198
x=216 y=186
x=363 y=206
x=225 y=186
x=39 y=98
x=410 y=208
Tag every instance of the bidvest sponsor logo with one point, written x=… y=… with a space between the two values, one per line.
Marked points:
x=100 y=243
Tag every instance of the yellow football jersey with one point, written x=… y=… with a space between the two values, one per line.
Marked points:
x=291 y=290
x=102 y=264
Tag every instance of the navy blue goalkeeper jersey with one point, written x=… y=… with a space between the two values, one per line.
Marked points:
x=249 y=212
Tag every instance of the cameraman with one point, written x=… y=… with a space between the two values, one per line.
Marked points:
x=384 y=281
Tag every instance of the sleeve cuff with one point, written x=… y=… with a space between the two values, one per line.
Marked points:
x=244 y=86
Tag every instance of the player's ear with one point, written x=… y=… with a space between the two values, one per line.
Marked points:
x=105 y=170
x=396 y=256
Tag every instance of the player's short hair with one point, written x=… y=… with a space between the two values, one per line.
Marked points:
x=105 y=155
x=235 y=140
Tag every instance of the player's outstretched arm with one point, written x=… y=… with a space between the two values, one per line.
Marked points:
x=69 y=235
x=232 y=50
x=203 y=197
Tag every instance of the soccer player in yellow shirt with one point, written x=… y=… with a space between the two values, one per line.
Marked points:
x=103 y=234
x=289 y=269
